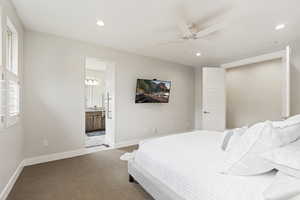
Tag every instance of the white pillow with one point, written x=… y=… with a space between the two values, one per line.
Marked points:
x=294 y=118
x=244 y=157
x=285 y=159
x=231 y=137
x=287 y=131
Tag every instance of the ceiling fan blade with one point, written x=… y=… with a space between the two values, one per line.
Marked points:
x=184 y=28
x=182 y=21
x=210 y=30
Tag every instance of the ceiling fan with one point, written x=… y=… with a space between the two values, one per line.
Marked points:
x=194 y=31
x=199 y=30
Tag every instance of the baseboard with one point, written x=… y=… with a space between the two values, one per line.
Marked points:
x=127 y=143
x=137 y=141
x=5 y=192
x=74 y=153
x=79 y=152
x=53 y=157
x=59 y=156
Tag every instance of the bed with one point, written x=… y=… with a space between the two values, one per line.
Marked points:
x=188 y=166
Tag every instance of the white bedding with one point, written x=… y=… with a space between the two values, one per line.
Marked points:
x=189 y=164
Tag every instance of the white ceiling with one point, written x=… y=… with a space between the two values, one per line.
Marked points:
x=139 y=26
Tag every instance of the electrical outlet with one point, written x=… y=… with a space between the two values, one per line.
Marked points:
x=45 y=142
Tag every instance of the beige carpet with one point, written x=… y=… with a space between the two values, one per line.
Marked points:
x=97 y=176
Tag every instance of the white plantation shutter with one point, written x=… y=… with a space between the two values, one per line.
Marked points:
x=13 y=99
x=2 y=98
x=10 y=87
x=9 y=49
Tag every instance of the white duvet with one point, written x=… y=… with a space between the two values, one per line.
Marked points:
x=190 y=165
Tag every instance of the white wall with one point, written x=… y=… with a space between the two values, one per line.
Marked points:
x=295 y=78
x=198 y=98
x=254 y=93
x=11 y=139
x=54 y=99
x=138 y=120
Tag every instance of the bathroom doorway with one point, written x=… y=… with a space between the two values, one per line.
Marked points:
x=99 y=103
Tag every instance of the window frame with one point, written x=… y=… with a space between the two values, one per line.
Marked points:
x=10 y=78
x=12 y=56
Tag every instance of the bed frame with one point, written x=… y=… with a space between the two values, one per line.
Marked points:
x=152 y=185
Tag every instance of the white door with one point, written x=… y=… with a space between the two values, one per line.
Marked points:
x=110 y=104
x=214 y=99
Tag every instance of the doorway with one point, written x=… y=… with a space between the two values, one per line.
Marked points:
x=253 y=85
x=254 y=93
x=99 y=103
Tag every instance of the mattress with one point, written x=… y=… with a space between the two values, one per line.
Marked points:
x=190 y=165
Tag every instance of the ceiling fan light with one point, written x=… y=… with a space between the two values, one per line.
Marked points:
x=198 y=54
x=280 y=26
x=100 y=23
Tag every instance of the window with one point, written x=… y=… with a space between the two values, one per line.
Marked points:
x=9 y=79
x=11 y=48
x=13 y=99
x=2 y=99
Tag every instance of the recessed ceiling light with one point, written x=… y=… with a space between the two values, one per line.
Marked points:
x=100 y=23
x=198 y=54
x=279 y=26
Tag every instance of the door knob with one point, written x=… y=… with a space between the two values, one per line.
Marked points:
x=205 y=112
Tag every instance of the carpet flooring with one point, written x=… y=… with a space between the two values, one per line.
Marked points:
x=97 y=176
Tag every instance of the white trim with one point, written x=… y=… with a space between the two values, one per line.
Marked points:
x=74 y=153
x=59 y=156
x=5 y=192
x=53 y=157
x=257 y=59
x=110 y=92
x=137 y=141
x=80 y=152
x=96 y=149
x=287 y=97
x=284 y=55
x=127 y=143
x=110 y=134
